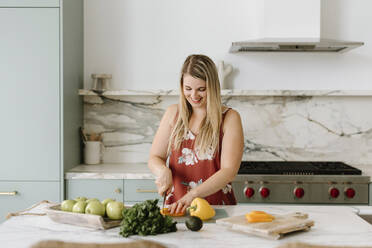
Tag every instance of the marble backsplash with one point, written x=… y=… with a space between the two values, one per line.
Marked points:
x=276 y=126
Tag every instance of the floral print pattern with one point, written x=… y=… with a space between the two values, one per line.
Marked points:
x=189 y=135
x=193 y=184
x=190 y=168
x=188 y=157
x=227 y=189
x=208 y=155
x=190 y=185
x=191 y=157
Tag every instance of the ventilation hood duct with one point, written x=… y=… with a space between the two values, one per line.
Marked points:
x=294 y=45
x=289 y=27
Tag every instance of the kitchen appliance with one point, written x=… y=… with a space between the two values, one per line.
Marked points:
x=294 y=45
x=300 y=182
x=286 y=26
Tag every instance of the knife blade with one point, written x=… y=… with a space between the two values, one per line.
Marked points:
x=164 y=196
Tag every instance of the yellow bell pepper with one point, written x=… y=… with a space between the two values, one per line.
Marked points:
x=200 y=207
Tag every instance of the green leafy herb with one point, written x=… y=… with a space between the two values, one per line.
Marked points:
x=145 y=219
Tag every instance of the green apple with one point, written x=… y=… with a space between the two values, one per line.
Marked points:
x=105 y=201
x=79 y=207
x=80 y=198
x=67 y=205
x=114 y=210
x=92 y=199
x=95 y=207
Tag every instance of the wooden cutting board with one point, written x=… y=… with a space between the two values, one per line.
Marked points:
x=64 y=244
x=86 y=220
x=282 y=224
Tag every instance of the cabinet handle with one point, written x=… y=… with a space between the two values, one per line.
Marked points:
x=117 y=190
x=146 y=191
x=9 y=193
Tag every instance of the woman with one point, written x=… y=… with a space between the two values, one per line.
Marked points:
x=202 y=139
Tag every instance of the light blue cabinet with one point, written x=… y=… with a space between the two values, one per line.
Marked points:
x=138 y=190
x=130 y=191
x=41 y=111
x=20 y=195
x=29 y=3
x=29 y=67
x=95 y=188
x=30 y=106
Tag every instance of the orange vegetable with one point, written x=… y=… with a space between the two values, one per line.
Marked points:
x=259 y=216
x=165 y=211
x=257 y=212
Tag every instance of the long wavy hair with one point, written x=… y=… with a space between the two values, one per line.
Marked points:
x=201 y=67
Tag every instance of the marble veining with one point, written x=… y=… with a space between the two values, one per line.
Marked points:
x=111 y=171
x=232 y=92
x=333 y=226
x=283 y=126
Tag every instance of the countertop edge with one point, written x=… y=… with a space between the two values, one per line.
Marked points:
x=229 y=92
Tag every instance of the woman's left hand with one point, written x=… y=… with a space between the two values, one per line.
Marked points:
x=183 y=203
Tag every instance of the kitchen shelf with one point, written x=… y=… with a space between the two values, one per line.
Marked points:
x=233 y=92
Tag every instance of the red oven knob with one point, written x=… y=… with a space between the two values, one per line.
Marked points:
x=265 y=192
x=249 y=192
x=334 y=192
x=299 y=192
x=349 y=192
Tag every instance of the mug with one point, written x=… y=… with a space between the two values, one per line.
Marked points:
x=93 y=152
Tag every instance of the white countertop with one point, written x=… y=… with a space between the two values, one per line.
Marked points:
x=334 y=225
x=137 y=171
x=110 y=171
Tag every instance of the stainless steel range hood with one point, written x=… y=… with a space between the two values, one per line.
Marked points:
x=294 y=45
x=287 y=26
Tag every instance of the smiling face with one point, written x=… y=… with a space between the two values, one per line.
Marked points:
x=195 y=91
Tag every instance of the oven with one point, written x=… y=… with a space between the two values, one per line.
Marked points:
x=300 y=182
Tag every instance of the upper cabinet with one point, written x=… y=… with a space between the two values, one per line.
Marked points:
x=41 y=68
x=30 y=107
x=29 y=3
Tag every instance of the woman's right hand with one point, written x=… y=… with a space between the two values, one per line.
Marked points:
x=164 y=181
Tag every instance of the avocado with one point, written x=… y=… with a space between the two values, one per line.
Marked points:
x=194 y=223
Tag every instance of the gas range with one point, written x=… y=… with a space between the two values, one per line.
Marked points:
x=300 y=182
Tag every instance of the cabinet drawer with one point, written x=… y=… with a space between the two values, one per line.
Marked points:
x=138 y=190
x=93 y=188
x=16 y=196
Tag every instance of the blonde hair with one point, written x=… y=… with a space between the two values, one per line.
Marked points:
x=201 y=67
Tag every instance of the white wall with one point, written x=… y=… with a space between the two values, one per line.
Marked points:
x=143 y=44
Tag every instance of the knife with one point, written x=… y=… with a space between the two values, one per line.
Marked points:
x=165 y=194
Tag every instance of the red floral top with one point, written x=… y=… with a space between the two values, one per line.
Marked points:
x=189 y=169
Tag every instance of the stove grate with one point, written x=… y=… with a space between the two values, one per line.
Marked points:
x=297 y=168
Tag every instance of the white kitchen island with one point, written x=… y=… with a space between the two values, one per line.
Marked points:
x=334 y=225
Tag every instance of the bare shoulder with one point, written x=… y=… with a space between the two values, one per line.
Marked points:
x=232 y=119
x=172 y=109
x=170 y=114
x=232 y=115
